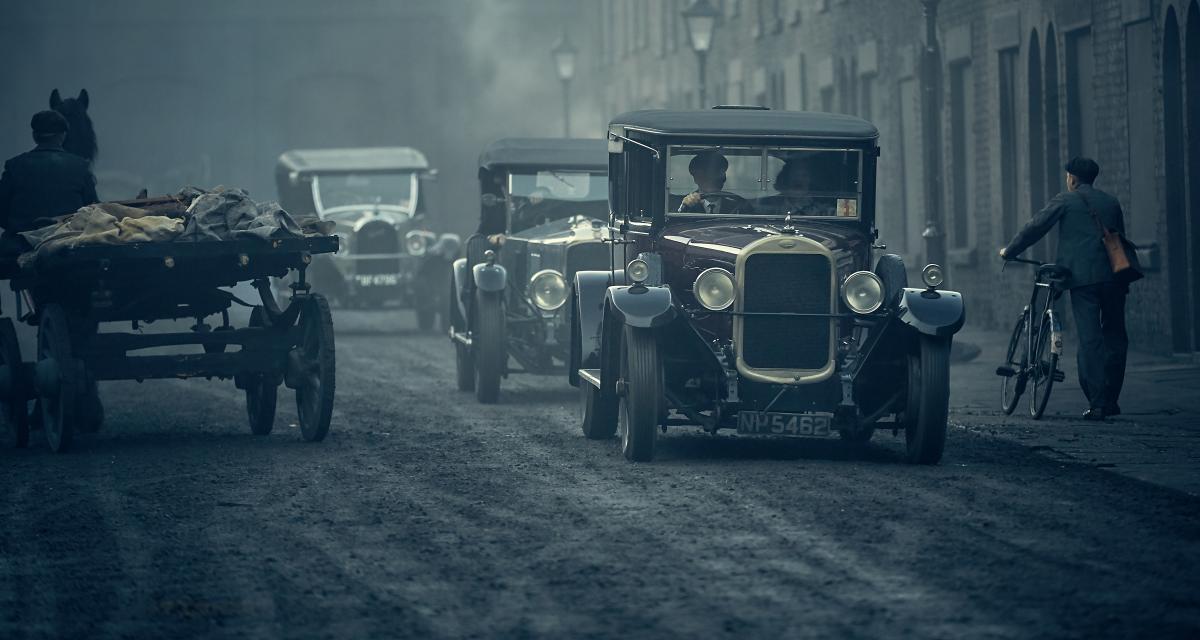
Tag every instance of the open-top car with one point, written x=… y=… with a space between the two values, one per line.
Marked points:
x=543 y=218
x=375 y=197
x=746 y=292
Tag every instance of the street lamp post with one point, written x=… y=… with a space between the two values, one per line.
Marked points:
x=931 y=89
x=564 y=54
x=701 y=18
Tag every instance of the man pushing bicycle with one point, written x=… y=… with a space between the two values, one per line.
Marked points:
x=1087 y=218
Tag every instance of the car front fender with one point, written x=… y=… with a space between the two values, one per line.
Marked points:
x=589 y=292
x=933 y=313
x=489 y=277
x=641 y=306
x=459 y=275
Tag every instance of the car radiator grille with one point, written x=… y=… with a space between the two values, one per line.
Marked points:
x=588 y=256
x=378 y=237
x=791 y=283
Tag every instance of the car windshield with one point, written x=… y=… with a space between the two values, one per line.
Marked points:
x=395 y=191
x=763 y=181
x=551 y=194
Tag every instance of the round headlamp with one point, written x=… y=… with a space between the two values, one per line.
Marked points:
x=548 y=289
x=714 y=289
x=933 y=276
x=416 y=243
x=637 y=270
x=863 y=292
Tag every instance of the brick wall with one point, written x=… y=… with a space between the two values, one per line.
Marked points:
x=831 y=48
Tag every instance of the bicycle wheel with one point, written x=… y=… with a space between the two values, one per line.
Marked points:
x=1045 y=363
x=1017 y=362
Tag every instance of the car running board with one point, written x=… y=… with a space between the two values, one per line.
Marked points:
x=592 y=376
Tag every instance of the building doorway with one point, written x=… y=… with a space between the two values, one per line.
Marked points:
x=1176 y=188
x=1191 y=96
x=1037 y=138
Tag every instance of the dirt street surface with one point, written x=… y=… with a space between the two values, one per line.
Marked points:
x=425 y=514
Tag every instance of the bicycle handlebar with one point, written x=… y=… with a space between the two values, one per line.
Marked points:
x=1025 y=261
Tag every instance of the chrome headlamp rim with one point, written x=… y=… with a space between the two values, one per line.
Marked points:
x=416 y=243
x=533 y=297
x=851 y=280
x=637 y=270
x=933 y=275
x=732 y=288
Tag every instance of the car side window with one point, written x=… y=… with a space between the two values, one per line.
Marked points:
x=641 y=168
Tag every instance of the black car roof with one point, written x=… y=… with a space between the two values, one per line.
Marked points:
x=590 y=154
x=734 y=122
x=354 y=159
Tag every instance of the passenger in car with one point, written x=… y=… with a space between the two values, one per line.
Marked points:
x=795 y=184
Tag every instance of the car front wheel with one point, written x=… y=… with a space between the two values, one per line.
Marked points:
x=928 y=401
x=641 y=390
x=488 y=346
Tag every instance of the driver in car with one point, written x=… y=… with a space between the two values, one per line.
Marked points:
x=708 y=170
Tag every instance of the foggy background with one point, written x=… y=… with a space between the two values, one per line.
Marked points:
x=210 y=93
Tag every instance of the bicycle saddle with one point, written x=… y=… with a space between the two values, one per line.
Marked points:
x=1053 y=273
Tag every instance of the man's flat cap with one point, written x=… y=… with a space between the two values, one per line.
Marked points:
x=49 y=122
x=1085 y=169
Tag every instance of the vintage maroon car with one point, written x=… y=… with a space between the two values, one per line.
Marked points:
x=747 y=292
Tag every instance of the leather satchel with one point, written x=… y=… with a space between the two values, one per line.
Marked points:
x=1122 y=254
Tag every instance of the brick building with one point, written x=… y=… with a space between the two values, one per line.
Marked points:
x=1027 y=84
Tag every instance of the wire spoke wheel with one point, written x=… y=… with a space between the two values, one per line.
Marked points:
x=1045 y=363
x=57 y=380
x=1017 y=360
x=315 y=377
x=14 y=410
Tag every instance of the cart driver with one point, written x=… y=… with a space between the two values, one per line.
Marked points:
x=41 y=184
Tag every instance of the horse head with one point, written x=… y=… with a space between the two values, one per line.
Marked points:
x=81 y=139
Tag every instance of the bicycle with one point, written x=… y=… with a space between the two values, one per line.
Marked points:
x=1035 y=348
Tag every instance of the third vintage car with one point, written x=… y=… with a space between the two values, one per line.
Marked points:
x=748 y=291
x=543 y=218
x=377 y=200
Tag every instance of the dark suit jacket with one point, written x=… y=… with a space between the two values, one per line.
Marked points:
x=43 y=183
x=1080 y=244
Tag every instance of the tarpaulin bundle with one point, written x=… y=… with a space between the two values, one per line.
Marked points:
x=219 y=214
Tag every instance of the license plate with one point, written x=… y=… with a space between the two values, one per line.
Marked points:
x=378 y=280
x=783 y=424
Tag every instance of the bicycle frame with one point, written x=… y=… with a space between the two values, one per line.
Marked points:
x=1027 y=363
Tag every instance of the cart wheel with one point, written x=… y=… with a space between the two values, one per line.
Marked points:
x=261 y=391
x=312 y=365
x=14 y=411
x=56 y=379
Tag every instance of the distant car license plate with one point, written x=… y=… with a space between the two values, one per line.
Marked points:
x=784 y=424
x=378 y=280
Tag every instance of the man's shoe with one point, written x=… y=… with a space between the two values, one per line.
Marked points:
x=1093 y=414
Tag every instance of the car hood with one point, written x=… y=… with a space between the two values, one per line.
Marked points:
x=565 y=230
x=723 y=240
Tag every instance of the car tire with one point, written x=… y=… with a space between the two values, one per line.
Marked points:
x=641 y=391
x=425 y=318
x=489 y=349
x=925 y=428
x=464 y=367
x=599 y=412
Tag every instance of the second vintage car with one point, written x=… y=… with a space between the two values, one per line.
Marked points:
x=748 y=293
x=543 y=217
x=377 y=200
